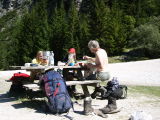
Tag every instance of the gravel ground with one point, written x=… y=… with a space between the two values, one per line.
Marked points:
x=137 y=73
x=130 y=73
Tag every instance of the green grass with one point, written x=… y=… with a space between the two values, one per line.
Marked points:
x=147 y=90
x=131 y=54
x=125 y=58
x=115 y=59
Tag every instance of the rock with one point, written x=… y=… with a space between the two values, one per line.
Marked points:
x=10 y=5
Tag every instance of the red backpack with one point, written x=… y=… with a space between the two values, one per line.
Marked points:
x=19 y=78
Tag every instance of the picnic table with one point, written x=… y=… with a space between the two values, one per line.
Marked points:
x=65 y=70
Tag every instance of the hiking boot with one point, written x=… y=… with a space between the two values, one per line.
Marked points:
x=108 y=109
x=88 y=106
x=111 y=106
x=100 y=113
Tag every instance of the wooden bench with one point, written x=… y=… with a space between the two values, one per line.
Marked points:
x=36 y=87
x=33 y=87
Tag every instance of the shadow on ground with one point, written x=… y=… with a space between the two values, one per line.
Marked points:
x=24 y=99
x=6 y=98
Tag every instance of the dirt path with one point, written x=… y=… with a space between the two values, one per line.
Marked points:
x=137 y=73
x=11 y=109
x=143 y=72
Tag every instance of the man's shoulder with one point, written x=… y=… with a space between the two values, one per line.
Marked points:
x=101 y=51
x=101 y=54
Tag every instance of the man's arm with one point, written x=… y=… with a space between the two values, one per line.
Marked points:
x=98 y=62
x=89 y=58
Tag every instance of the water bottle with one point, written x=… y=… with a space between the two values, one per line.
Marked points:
x=51 y=59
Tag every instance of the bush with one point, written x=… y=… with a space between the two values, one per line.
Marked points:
x=147 y=37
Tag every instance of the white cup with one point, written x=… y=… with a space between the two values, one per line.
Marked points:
x=27 y=64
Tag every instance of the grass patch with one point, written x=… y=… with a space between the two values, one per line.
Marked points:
x=132 y=54
x=125 y=58
x=147 y=90
x=115 y=59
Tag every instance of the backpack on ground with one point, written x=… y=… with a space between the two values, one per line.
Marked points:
x=19 y=78
x=114 y=89
x=17 y=82
x=59 y=100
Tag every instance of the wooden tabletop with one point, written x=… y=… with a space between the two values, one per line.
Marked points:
x=44 y=67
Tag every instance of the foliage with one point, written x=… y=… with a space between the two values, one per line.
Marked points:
x=33 y=33
x=58 y=32
x=9 y=17
x=73 y=28
x=84 y=34
x=40 y=17
x=9 y=24
x=58 y=25
x=25 y=39
x=117 y=31
x=147 y=36
x=129 y=25
x=112 y=25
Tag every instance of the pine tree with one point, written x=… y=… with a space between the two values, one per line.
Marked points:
x=116 y=30
x=41 y=29
x=74 y=28
x=84 y=34
x=58 y=32
x=99 y=24
x=106 y=26
x=25 y=40
x=33 y=34
x=8 y=40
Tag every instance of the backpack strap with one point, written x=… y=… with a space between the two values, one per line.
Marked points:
x=57 y=89
x=72 y=106
x=125 y=88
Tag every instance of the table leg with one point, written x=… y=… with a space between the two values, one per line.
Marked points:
x=65 y=73
x=84 y=87
x=85 y=91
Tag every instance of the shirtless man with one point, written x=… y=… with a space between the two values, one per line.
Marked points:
x=100 y=60
x=102 y=72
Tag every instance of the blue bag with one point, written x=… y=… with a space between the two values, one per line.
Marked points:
x=113 y=84
x=56 y=91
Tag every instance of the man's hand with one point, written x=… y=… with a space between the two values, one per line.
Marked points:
x=89 y=58
x=89 y=65
x=86 y=57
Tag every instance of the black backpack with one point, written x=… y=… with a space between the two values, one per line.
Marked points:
x=114 y=89
x=59 y=100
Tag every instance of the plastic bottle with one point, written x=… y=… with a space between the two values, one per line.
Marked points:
x=51 y=59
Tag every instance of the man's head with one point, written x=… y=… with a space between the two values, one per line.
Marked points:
x=93 y=45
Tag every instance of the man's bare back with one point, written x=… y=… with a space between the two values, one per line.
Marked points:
x=101 y=60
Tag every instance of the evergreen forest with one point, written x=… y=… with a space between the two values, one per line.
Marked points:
x=58 y=25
